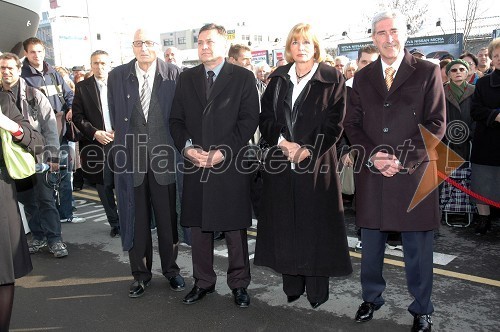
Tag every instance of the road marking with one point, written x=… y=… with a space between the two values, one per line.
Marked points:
x=78 y=194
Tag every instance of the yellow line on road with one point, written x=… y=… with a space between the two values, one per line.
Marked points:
x=442 y=272
x=80 y=195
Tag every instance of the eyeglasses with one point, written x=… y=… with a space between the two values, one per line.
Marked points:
x=138 y=43
x=461 y=69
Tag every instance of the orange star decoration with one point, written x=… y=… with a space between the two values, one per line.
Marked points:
x=448 y=161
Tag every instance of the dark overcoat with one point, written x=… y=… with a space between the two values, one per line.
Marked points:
x=459 y=121
x=377 y=119
x=123 y=94
x=302 y=231
x=216 y=199
x=88 y=118
x=485 y=108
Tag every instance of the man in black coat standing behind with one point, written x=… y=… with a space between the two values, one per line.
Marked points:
x=214 y=114
x=91 y=117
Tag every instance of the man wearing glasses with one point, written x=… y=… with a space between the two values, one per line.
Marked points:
x=140 y=97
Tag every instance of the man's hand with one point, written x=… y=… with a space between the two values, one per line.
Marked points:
x=104 y=137
x=197 y=156
x=54 y=167
x=69 y=115
x=497 y=118
x=289 y=148
x=386 y=163
x=299 y=155
x=346 y=160
x=215 y=157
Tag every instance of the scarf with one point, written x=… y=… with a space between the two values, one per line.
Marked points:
x=458 y=90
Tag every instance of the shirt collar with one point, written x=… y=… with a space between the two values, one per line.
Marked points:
x=395 y=64
x=216 y=70
x=151 y=70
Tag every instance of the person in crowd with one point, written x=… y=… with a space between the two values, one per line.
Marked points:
x=366 y=55
x=240 y=55
x=171 y=55
x=301 y=232
x=15 y=259
x=458 y=95
x=39 y=74
x=340 y=62
x=393 y=160
x=444 y=74
x=91 y=116
x=418 y=53
x=78 y=73
x=281 y=62
x=65 y=75
x=262 y=70
x=216 y=193
x=329 y=60
x=485 y=156
x=484 y=61
x=473 y=62
x=140 y=97
x=38 y=200
x=350 y=69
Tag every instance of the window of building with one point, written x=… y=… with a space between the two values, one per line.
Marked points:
x=181 y=40
x=257 y=38
x=168 y=42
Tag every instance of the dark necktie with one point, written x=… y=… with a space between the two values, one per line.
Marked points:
x=210 y=81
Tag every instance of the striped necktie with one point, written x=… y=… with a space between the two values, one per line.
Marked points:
x=145 y=96
x=389 y=77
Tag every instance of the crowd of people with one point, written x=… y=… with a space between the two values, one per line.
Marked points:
x=159 y=132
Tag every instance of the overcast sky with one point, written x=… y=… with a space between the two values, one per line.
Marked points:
x=327 y=16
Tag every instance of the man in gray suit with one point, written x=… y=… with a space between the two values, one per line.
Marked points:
x=140 y=97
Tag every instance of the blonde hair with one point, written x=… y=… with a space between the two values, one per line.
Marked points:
x=303 y=30
x=495 y=43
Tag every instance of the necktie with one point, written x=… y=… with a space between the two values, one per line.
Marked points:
x=210 y=81
x=389 y=77
x=145 y=96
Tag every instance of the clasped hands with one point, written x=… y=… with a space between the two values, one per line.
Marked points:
x=104 y=137
x=293 y=151
x=386 y=163
x=205 y=159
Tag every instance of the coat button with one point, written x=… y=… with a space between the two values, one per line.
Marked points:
x=126 y=119
x=144 y=123
x=385 y=130
x=128 y=96
x=387 y=104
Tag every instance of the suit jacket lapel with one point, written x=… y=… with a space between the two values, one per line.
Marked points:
x=377 y=78
x=199 y=84
x=221 y=81
x=405 y=71
x=93 y=91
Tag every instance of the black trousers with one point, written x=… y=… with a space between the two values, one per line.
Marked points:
x=318 y=288
x=418 y=253
x=107 y=195
x=238 y=271
x=162 y=198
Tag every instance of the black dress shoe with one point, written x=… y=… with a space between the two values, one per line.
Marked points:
x=421 y=323
x=241 y=297
x=292 y=298
x=197 y=294
x=365 y=312
x=219 y=236
x=115 y=231
x=176 y=283
x=137 y=288
x=314 y=305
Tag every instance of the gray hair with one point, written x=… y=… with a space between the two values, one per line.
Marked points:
x=393 y=14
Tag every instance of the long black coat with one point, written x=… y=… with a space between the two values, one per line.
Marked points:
x=377 y=119
x=485 y=108
x=88 y=117
x=15 y=259
x=216 y=199
x=302 y=229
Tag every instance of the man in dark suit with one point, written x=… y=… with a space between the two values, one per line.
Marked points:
x=91 y=116
x=215 y=113
x=390 y=99
x=140 y=97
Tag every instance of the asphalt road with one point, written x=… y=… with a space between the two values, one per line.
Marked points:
x=88 y=290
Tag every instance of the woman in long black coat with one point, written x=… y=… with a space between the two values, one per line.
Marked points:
x=302 y=233
x=14 y=255
x=485 y=155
